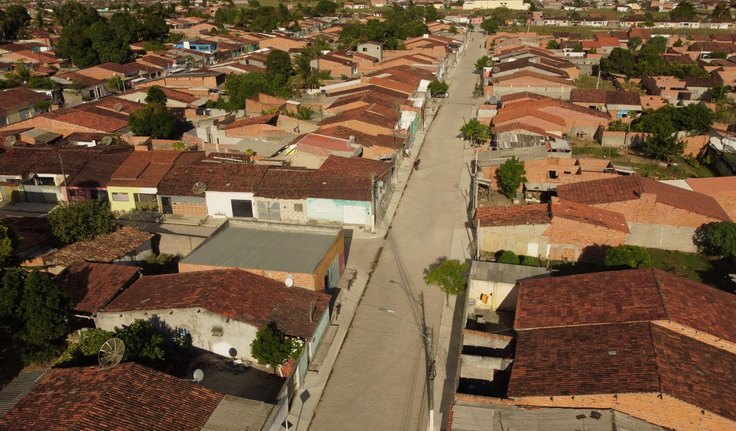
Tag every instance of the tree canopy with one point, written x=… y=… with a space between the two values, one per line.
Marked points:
x=13 y=21
x=510 y=176
x=278 y=67
x=695 y=119
x=155 y=95
x=271 y=347
x=684 y=11
x=398 y=24
x=450 y=275
x=437 y=87
x=509 y=257
x=481 y=62
x=7 y=243
x=648 y=61
x=627 y=256
x=81 y=221
x=475 y=131
x=716 y=239
x=152 y=120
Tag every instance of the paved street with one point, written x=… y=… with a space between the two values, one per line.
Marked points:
x=378 y=380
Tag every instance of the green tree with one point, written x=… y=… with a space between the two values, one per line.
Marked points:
x=7 y=243
x=475 y=131
x=154 y=27
x=489 y=26
x=484 y=61
x=325 y=7
x=45 y=309
x=683 y=12
x=620 y=61
x=510 y=176
x=722 y=11
x=627 y=256
x=91 y=340
x=663 y=146
x=304 y=113
x=509 y=257
x=633 y=43
x=553 y=44
x=143 y=343
x=450 y=275
x=278 y=67
x=68 y=12
x=716 y=239
x=155 y=95
x=270 y=347
x=618 y=126
x=437 y=87
x=81 y=221
x=13 y=21
x=11 y=293
x=152 y=120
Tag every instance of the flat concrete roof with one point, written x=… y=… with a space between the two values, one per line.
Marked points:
x=267 y=246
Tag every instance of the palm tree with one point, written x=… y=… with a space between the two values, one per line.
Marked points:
x=20 y=73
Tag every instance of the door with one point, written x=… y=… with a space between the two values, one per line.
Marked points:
x=242 y=208
x=166 y=205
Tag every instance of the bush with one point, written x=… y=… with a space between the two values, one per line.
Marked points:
x=508 y=256
x=81 y=221
x=530 y=261
x=627 y=256
x=716 y=239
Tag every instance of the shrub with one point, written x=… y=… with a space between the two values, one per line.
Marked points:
x=508 y=256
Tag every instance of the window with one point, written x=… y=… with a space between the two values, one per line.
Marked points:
x=298 y=208
x=120 y=197
x=242 y=208
x=552 y=174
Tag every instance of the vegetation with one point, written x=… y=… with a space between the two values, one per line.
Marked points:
x=509 y=257
x=588 y=81
x=89 y=39
x=627 y=256
x=13 y=22
x=716 y=239
x=648 y=61
x=484 y=61
x=7 y=243
x=510 y=176
x=438 y=87
x=150 y=343
x=663 y=123
x=155 y=95
x=684 y=11
x=448 y=274
x=81 y=221
x=271 y=346
x=398 y=24
x=475 y=131
x=34 y=311
x=152 y=120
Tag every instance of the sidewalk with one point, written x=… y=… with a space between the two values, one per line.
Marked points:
x=307 y=398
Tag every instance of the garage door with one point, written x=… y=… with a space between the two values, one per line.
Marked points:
x=354 y=215
x=242 y=208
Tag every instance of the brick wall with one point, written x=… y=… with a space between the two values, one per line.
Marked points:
x=305 y=281
x=189 y=209
x=588 y=241
x=666 y=411
x=647 y=210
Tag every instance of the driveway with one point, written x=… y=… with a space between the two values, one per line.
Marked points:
x=378 y=381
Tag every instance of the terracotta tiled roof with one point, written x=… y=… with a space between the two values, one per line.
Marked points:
x=128 y=396
x=92 y=285
x=232 y=293
x=625 y=188
x=553 y=80
x=362 y=139
x=99 y=168
x=591 y=359
x=104 y=248
x=532 y=214
x=148 y=168
x=31 y=232
x=19 y=97
x=291 y=183
x=590 y=215
x=219 y=177
x=262 y=119
x=587 y=95
x=625 y=296
x=714 y=186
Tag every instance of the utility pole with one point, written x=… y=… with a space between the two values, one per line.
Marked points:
x=429 y=358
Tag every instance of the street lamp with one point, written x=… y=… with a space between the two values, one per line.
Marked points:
x=426 y=334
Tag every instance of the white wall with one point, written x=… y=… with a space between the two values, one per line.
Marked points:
x=498 y=294
x=199 y=322
x=219 y=205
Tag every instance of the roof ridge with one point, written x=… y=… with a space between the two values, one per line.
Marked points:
x=659 y=293
x=654 y=353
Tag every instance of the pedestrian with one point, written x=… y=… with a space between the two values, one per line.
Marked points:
x=416 y=164
x=337 y=310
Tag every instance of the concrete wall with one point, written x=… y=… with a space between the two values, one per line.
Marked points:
x=662 y=236
x=199 y=322
x=519 y=239
x=289 y=211
x=219 y=203
x=500 y=295
x=340 y=211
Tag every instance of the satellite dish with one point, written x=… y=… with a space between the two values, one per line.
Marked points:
x=198 y=375
x=111 y=353
x=107 y=140
x=232 y=352
x=10 y=140
x=199 y=188
x=119 y=106
x=289 y=282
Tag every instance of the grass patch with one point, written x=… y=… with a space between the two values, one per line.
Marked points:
x=696 y=267
x=597 y=152
x=588 y=81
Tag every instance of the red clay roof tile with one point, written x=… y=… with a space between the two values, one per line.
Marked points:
x=92 y=285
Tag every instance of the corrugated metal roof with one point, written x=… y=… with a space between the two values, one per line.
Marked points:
x=238 y=414
x=505 y=273
x=272 y=247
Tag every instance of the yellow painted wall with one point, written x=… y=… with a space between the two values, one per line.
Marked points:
x=122 y=206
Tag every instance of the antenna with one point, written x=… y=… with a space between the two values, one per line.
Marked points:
x=111 y=353
x=10 y=140
x=289 y=282
x=199 y=188
x=198 y=375
x=107 y=140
